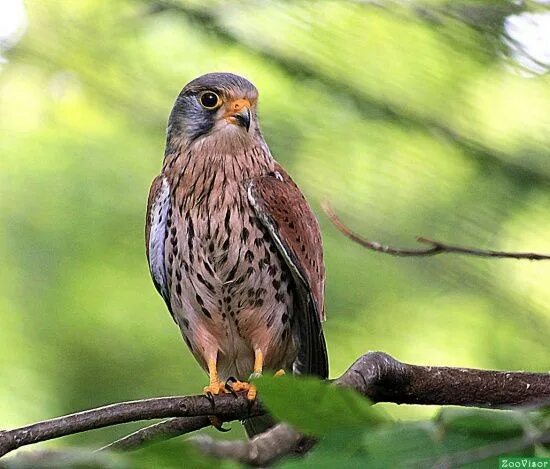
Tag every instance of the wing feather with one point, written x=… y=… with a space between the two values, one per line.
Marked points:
x=283 y=210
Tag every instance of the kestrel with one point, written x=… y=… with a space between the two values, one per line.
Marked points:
x=233 y=247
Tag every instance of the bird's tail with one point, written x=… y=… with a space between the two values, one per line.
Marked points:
x=256 y=425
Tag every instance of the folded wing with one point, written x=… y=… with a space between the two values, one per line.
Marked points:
x=283 y=210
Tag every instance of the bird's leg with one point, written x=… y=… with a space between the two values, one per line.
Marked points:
x=250 y=389
x=215 y=387
x=258 y=364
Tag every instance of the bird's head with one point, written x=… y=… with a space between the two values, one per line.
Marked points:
x=217 y=106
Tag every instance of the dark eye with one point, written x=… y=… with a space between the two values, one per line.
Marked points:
x=210 y=100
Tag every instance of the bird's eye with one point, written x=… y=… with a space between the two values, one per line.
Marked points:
x=210 y=100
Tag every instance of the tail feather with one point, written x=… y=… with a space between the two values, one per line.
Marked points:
x=256 y=425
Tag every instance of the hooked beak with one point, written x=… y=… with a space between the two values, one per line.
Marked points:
x=243 y=118
x=239 y=113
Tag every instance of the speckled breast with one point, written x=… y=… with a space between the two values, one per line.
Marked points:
x=229 y=285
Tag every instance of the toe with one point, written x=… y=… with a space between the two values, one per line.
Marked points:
x=240 y=386
x=214 y=389
x=251 y=394
x=255 y=376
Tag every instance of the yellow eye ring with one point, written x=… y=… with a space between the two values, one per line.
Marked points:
x=210 y=100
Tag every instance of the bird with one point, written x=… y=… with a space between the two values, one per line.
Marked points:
x=233 y=247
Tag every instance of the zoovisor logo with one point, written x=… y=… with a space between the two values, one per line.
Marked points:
x=527 y=463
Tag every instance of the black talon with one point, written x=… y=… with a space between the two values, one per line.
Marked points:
x=217 y=424
x=210 y=397
x=223 y=430
x=229 y=387
x=249 y=404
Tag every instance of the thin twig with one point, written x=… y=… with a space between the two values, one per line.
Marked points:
x=159 y=431
x=436 y=247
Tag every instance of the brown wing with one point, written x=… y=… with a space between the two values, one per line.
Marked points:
x=283 y=210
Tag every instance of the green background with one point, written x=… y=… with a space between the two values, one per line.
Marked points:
x=409 y=123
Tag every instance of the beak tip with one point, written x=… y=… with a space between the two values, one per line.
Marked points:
x=244 y=118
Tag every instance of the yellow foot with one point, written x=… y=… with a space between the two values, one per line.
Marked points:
x=237 y=386
x=214 y=388
x=233 y=386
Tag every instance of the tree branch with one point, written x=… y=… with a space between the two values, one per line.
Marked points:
x=375 y=375
x=382 y=378
x=281 y=440
x=225 y=407
x=159 y=431
x=262 y=450
x=435 y=247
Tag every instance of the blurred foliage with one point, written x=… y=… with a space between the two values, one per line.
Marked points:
x=411 y=118
x=316 y=408
x=362 y=438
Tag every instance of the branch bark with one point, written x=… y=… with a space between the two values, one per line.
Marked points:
x=262 y=450
x=382 y=378
x=375 y=375
x=226 y=407
x=159 y=431
x=435 y=247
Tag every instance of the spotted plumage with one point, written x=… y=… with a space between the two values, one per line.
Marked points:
x=233 y=247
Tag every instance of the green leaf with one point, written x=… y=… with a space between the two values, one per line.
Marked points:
x=455 y=433
x=497 y=424
x=315 y=407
